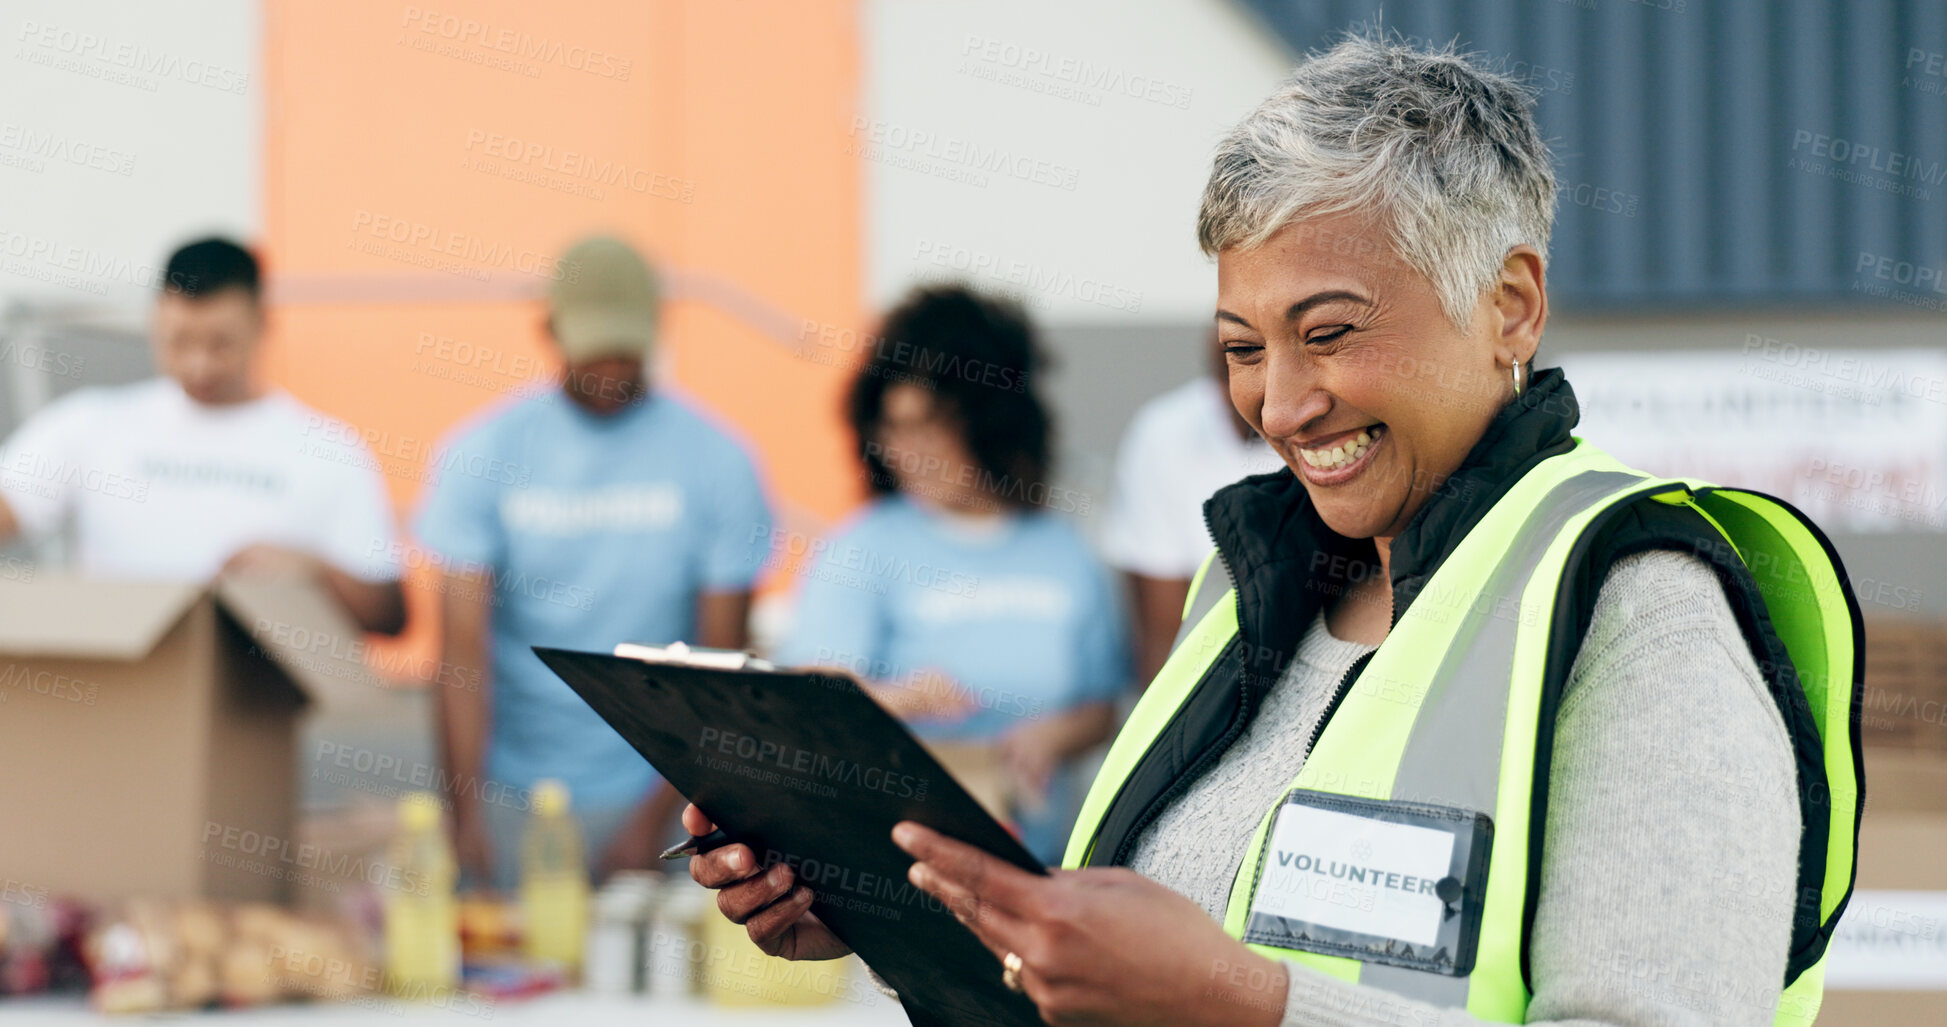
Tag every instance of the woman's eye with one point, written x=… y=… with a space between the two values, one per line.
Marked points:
x=1329 y=334
x=1241 y=350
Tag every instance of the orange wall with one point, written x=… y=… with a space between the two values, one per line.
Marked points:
x=730 y=119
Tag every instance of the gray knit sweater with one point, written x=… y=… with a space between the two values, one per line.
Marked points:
x=1672 y=834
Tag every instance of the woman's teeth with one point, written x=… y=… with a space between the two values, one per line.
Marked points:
x=1342 y=454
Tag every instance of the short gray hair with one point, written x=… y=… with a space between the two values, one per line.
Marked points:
x=1443 y=149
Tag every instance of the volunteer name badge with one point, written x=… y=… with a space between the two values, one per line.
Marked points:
x=1388 y=882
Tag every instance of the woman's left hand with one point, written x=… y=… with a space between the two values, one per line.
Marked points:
x=1035 y=748
x=1030 y=753
x=1105 y=946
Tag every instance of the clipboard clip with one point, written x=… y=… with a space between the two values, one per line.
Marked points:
x=693 y=656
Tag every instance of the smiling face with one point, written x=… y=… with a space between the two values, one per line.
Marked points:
x=1342 y=357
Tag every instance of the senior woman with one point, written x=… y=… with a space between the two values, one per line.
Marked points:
x=1467 y=722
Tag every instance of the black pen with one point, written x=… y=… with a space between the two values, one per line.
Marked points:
x=697 y=845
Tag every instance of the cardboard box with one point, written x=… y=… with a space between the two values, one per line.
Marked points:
x=1889 y=958
x=1905 y=705
x=149 y=732
x=977 y=766
x=1888 y=963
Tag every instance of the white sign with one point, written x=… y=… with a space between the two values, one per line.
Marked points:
x=1857 y=439
x=1890 y=940
x=1355 y=874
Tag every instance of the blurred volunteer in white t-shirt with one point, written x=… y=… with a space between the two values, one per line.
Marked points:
x=1179 y=448
x=205 y=470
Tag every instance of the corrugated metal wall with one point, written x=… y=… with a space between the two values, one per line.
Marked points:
x=1722 y=153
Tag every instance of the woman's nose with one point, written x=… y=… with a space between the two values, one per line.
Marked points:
x=1292 y=399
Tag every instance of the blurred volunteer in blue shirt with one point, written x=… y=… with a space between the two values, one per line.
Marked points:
x=612 y=514
x=963 y=595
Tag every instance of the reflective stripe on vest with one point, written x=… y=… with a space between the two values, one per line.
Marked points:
x=1465 y=665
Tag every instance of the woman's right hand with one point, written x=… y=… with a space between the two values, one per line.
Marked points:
x=771 y=905
x=927 y=695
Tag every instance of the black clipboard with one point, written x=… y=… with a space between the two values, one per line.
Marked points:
x=804 y=767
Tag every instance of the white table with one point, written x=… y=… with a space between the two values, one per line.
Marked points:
x=581 y=1010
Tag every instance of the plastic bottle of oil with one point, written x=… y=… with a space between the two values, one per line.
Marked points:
x=554 y=883
x=422 y=921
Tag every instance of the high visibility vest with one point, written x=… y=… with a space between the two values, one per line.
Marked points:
x=1464 y=666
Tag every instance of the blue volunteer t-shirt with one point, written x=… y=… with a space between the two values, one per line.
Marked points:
x=596 y=530
x=1020 y=613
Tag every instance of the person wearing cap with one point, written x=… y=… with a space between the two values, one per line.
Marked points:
x=621 y=515
x=205 y=469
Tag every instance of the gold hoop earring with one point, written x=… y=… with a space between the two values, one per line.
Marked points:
x=1515 y=372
